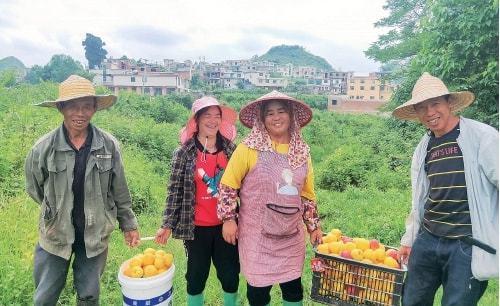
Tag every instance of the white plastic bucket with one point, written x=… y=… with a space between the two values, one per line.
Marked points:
x=155 y=290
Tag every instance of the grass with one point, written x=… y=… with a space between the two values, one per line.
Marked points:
x=146 y=145
x=357 y=212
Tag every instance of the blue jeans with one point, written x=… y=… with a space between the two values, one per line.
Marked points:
x=50 y=274
x=436 y=261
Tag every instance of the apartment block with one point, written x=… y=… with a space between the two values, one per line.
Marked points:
x=141 y=78
x=369 y=87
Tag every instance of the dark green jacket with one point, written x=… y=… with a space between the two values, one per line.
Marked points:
x=49 y=177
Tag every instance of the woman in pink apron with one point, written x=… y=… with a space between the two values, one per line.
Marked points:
x=273 y=173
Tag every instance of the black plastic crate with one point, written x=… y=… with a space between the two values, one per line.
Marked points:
x=345 y=282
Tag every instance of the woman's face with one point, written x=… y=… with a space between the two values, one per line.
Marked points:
x=277 y=119
x=209 y=122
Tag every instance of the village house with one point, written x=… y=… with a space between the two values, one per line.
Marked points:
x=369 y=87
x=365 y=94
x=171 y=76
x=124 y=74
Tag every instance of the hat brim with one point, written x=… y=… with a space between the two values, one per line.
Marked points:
x=227 y=126
x=103 y=101
x=458 y=101
x=250 y=111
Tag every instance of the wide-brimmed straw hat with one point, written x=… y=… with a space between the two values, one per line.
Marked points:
x=428 y=87
x=227 y=126
x=249 y=112
x=76 y=87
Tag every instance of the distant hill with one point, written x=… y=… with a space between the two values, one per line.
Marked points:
x=295 y=55
x=11 y=62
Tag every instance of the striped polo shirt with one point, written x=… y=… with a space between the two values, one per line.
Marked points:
x=447 y=209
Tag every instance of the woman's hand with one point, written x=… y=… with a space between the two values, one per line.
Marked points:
x=162 y=235
x=230 y=231
x=315 y=236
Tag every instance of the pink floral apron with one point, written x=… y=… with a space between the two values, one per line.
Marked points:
x=271 y=232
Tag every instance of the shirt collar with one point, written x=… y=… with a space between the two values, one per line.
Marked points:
x=88 y=139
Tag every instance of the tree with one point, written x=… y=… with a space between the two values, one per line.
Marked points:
x=454 y=40
x=8 y=78
x=58 y=69
x=35 y=75
x=296 y=85
x=197 y=82
x=240 y=84
x=462 y=48
x=61 y=66
x=94 y=52
x=403 y=41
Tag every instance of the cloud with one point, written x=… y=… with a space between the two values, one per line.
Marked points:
x=4 y=22
x=343 y=57
x=283 y=34
x=338 y=31
x=149 y=35
x=26 y=51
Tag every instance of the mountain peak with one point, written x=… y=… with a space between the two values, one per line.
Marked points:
x=296 y=55
x=11 y=62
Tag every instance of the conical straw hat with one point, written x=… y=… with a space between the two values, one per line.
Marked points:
x=250 y=111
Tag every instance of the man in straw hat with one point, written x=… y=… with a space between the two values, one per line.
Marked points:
x=451 y=236
x=76 y=174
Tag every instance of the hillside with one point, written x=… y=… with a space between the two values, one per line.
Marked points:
x=362 y=183
x=11 y=62
x=295 y=55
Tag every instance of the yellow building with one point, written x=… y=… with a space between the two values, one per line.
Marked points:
x=368 y=88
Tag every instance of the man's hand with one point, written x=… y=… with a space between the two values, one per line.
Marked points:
x=132 y=238
x=162 y=235
x=404 y=252
x=230 y=231
x=315 y=236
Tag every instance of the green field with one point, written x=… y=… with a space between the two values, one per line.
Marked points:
x=361 y=172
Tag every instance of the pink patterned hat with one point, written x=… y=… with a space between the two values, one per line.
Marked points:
x=250 y=111
x=227 y=127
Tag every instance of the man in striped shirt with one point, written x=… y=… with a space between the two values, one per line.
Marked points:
x=451 y=234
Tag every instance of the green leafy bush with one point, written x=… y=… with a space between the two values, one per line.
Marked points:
x=349 y=165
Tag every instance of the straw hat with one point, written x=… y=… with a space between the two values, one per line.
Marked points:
x=228 y=119
x=428 y=87
x=250 y=111
x=76 y=87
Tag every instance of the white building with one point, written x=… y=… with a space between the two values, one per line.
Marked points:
x=142 y=82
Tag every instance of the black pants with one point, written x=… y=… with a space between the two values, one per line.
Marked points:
x=209 y=246
x=290 y=291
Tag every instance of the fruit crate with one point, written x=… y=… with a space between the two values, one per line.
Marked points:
x=345 y=282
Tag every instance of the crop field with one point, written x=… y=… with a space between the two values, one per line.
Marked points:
x=361 y=165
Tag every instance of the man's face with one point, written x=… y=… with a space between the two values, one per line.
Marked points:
x=77 y=114
x=436 y=115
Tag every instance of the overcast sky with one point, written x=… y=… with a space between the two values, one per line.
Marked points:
x=337 y=30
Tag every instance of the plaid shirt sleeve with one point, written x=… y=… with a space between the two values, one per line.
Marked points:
x=175 y=190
